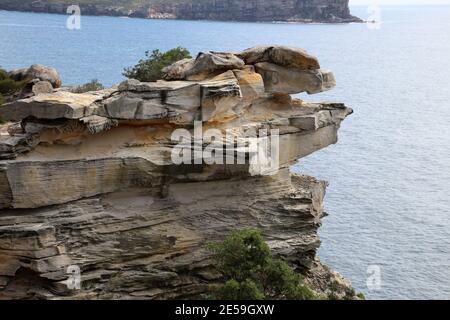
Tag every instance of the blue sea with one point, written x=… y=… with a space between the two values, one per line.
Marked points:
x=389 y=194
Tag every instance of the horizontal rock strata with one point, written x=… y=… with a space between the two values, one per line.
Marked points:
x=90 y=181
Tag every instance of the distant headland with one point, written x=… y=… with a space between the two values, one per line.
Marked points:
x=305 y=11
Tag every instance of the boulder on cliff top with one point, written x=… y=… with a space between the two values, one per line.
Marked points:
x=280 y=55
x=206 y=65
x=37 y=71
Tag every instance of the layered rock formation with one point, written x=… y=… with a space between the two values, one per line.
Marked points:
x=110 y=183
x=327 y=11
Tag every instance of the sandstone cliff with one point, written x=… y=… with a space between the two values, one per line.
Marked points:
x=89 y=181
x=327 y=11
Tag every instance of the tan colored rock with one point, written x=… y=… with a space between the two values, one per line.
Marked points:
x=174 y=101
x=50 y=106
x=69 y=181
x=250 y=82
x=42 y=87
x=284 y=80
x=110 y=164
x=182 y=94
x=219 y=96
x=280 y=55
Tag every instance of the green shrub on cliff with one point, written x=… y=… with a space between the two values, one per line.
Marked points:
x=150 y=68
x=8 y=85
x=252 y=273
x=3 y=74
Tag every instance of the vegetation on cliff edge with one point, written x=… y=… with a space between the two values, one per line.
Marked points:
x=93 y=85
x=150 y=68
x=8 y=86
x=253 y=273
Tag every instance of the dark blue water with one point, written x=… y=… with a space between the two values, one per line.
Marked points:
x=389 y=194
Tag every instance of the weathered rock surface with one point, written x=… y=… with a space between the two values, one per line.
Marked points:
x=331 y=11
x=92 y=181
x=282 y=56
x=37 y=71
x=42 y=87
x=281 y=79
x=206 y=64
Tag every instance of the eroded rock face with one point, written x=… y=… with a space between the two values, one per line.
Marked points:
x=93 y=181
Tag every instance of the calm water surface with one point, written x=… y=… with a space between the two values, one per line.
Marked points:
x=389 y=194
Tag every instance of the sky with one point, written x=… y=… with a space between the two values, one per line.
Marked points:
x=398 y=2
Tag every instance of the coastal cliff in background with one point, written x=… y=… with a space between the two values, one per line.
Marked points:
x=324 y=11
x=88 y=181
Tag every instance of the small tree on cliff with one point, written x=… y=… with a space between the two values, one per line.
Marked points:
x=252 y=273
x=150 y=68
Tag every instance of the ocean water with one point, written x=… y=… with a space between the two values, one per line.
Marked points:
x=389 y=194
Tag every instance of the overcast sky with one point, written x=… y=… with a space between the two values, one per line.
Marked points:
x=398 y=2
